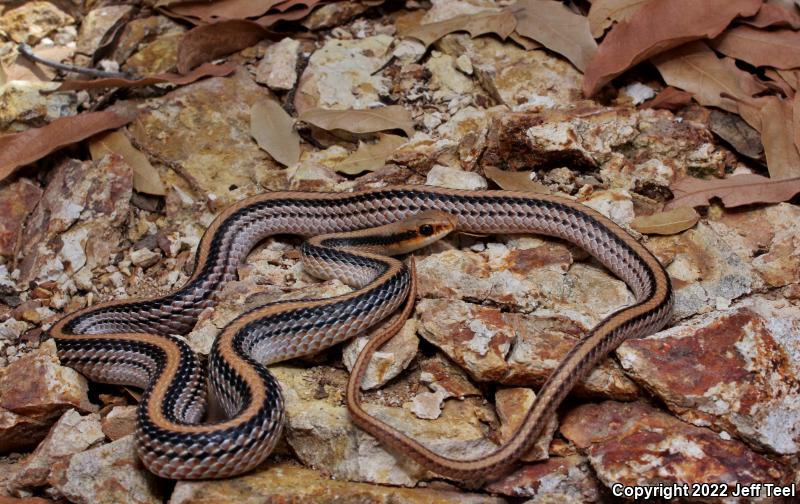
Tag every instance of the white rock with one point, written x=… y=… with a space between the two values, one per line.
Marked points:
x=443 y=176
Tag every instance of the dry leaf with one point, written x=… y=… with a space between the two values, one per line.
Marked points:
x=210 y=12
x=778 y=48
x=209 y=42
x=733 y=191
x=501 y=23
x=667 y=223
x=734 y=130
x=273 y=130
x=796 y=119
x=370 y=157
x=557 y=28
x=777 y=83
x=669 y=98
x=205 y=70
x=604 y=13
x=777 y=135
x=657 y=27
x=524 y=42
x=290 y=15
x=696 y=68
x=28 y=146
x=361 y=121
x=145 y=178
x=791 y=77
x=514 y=180
x=774 y=15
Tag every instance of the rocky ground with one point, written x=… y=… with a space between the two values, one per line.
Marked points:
x=715 y=397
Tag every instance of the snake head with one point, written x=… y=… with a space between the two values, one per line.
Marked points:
x=420 y=230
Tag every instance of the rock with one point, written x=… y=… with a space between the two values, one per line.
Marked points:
x=287 y=483
x=616 y=204
x=450 y=87
x=34 y=391
x=636 y=444
x=389 y=361
x=120 y=422
x=156 y=56
x=320 y=432
x=480 y=340
x=443 y=176
x=339 y=75
x=512 y=404
x=144 y=257
x=96 y=23
x=277 y=69
x=333 y=15
x=78 y=221
x=617 y=141
x=32 y=21
x=208 y=110
x=72 y=434
x=741 y=371
x=139 y=33
x=705 y=271
x=107 y=474
x=26 y=103
x=560 y=479
x=766 y=237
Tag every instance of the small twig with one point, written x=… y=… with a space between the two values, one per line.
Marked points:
x=27 y=52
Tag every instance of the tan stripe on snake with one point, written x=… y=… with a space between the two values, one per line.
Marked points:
x=134 y=343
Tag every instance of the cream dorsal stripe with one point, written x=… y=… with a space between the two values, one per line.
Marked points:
x=129 y=342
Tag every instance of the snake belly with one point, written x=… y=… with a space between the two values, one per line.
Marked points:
x=134 y=342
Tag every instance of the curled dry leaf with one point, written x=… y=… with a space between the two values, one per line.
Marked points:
x=667 y=223
x=604 y=13
x=772 y=14
x=145 y=178
x=734 y=130
x=733 y=191
x=370 y=157
x=792 y=77
x=209 y=42
x=501 y=23
x=669 y=98
x=28 y=146
x=657 y=27
x=273 y=130
x=696 y=68
x=205 y=70
x=209 y=12
x=393 y=117
x=514 y=181
x=778 y=48
x=557 y=28
x=777 y=135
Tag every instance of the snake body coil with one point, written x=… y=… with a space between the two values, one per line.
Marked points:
x=131 y=342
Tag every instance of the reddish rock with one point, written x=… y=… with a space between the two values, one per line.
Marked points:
x=287 y=483
x=77 y=223
x=734 y=371
x=512 y=348
x=17 y=200
x=72 y=433
x=107 y=474
x=34 y=391
x=560 y=479
x=636 y=444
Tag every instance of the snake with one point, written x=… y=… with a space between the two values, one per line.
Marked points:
x=140 y=342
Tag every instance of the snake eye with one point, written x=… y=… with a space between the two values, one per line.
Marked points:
x=426 y=230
